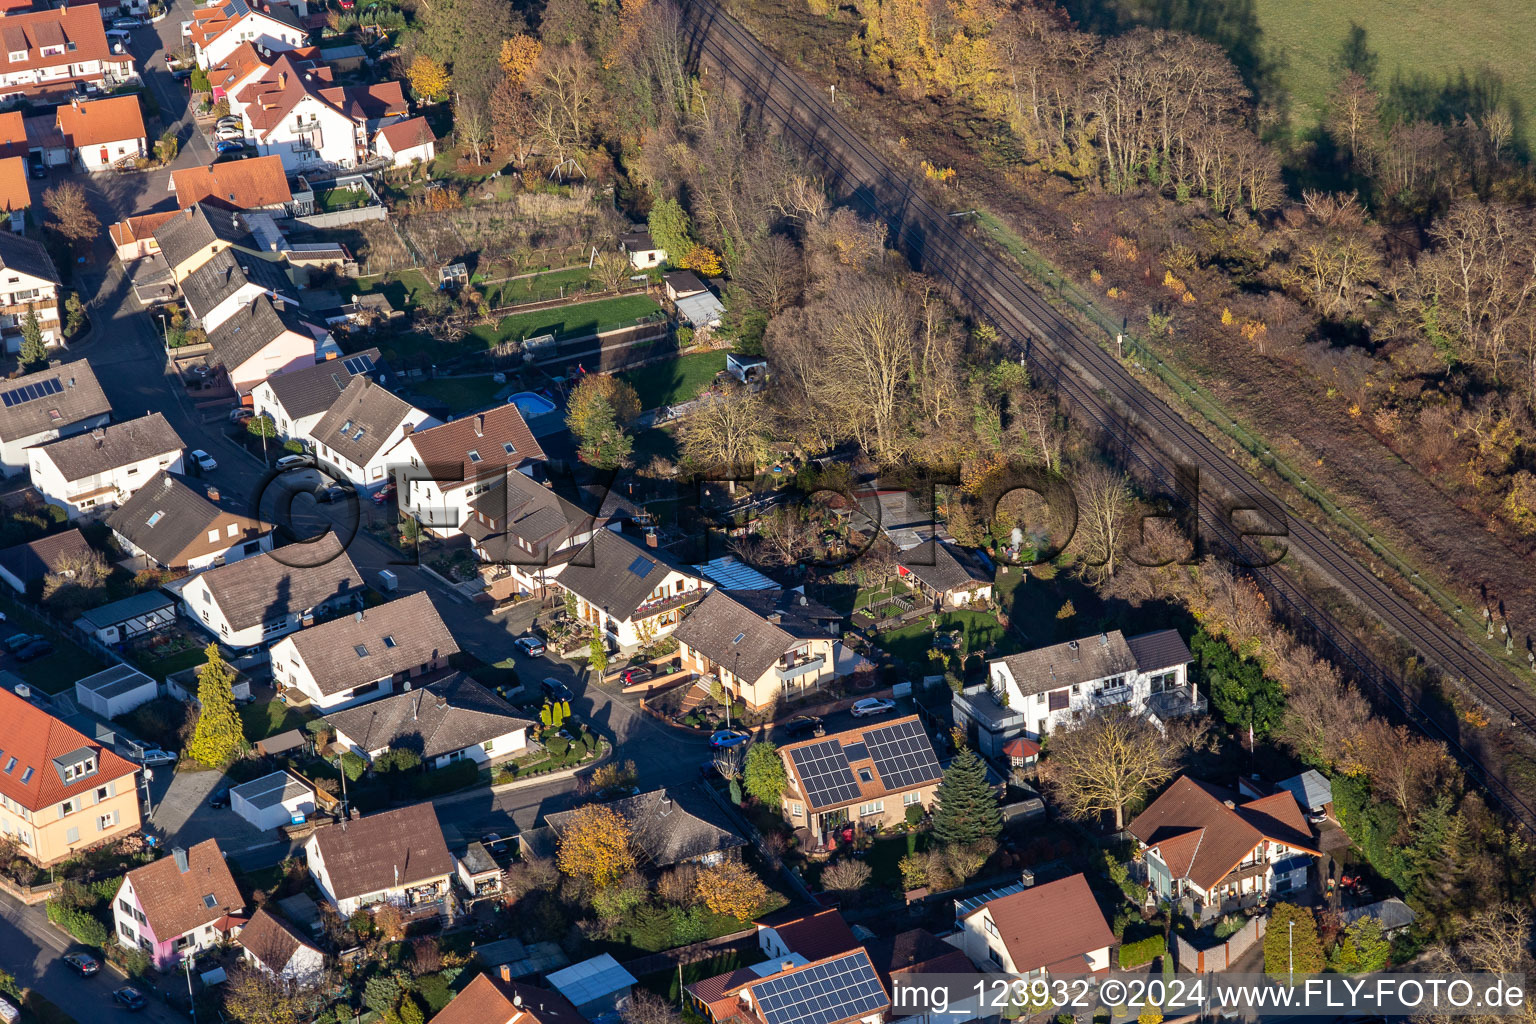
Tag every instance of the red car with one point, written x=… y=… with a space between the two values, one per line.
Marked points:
x=347 y=5
x=383 y=494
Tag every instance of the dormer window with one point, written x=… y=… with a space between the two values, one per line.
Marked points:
x=18 y=55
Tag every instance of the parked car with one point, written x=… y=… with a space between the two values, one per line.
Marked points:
x=219 y=798
x=129 y=998
x=83 y=964
x=638 y=674
x=229 y=119
x=295 y=461
x=872 y=706
x=802 y=726
x=155 y=756
x=530 y=645
x=34 y=650
x=723 y=739
x=241 y=415
x=383 y=494
x=182 y=74
x=332 y=493
x=35 y=165
x=205 y=462
x=126 y=23
x=556 y=690
x=229 y=147
x=16 y=641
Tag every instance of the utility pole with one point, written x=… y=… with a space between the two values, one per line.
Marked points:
x=191 y=1003
x=1290 y=952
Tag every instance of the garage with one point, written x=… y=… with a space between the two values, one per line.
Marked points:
x=273 y=800
x=115 y=691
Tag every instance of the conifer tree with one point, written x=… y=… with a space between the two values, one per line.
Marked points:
x=218 y=735
x=964 y=807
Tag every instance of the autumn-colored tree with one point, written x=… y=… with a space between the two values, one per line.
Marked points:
x=846 y=876
x=512 y=122
x=703 y=259
x=1105 y=760
x=596 y=846
x=731 y=888
x=518 y=57
x=254 y=996
x=428 y=77
x=218 y=735
x=72 y=216
x=623 y=401
x=727 y=429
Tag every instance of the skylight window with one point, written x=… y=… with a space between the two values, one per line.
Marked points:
x=508 y=447
x=155 y=518
x=474 y=456
x=10 y=766
x=359 y=435
x=26 y=776
x=389 y=641
x=210 y=901
x=739 y=638
x=345 y=428
x=362 y=651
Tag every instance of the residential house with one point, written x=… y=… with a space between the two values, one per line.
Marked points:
x=105 y=133
x=812 y=934
x=29 y=283
x=1197 y=841
x=37 y=407
x=631 y=593
x=497 y=999
x=396 y=857
x=866 y=777
x=295 y=112
x=296 y=399
x=256 y=183
x=840 y=989
x=526 y=527
x=1045 y=687
x=15 y=194
x=260 y=599
x=134 y=237
x=174 y=525
x=24 y=565
x=218 y=30
x=439 y=471
x=51 y=52
x=759 y=657
x=918 y=951
x=404 y=143
x=680 y=284
x=60 y=792
x=1040 y=931
x=272 y=944
x=363 y=656
x=945 y=575
x=643 y=252
x=671 y=826
x=354 y=438
x=13 y=129
x=85 y=473
x=193 y=236
x=230 y=281
x=246 y=63
x=452 y=719
x=266 y=338
x=173 y=907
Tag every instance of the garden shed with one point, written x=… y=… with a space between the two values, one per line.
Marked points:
x=115 y=691
x=596 y=987
x=131 y=617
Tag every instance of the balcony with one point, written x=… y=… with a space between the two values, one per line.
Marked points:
x=800 y=667
x=1112 y=696
x=662 y=604
x=1176 y=703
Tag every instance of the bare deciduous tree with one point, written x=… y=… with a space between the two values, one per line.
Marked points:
x=1103 y=761
x=1103 y=507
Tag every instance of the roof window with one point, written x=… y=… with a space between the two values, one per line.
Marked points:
x=362 y=651
x=474 y=456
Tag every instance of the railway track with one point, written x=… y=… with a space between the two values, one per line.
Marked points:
x=1146 y=434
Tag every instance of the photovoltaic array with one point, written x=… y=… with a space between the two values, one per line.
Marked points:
x=902 y=755
x=824 y=771
x=358 y=364
x=834 y=991
x=31 y=392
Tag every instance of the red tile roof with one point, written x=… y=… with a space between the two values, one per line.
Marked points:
x=1021 y=747
x=14 y=193
x=1050 y=925
x=13 y=134
x=486 y=434
x=815 y=936
x=244 y=184
x=269 y=98
x=93 y=122
x=34 y=738
x=80 y=26
x=407 y=134
x=176 y=901
x=138 y=229
x=489 y=1000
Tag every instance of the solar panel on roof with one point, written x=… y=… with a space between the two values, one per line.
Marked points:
x=642 y=566
x=358 y=364
x=824 y=770
x=839 y=990
x=31 y=392
x=902 y=754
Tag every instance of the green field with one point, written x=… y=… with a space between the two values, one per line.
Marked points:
x=675 y=380
x=570 y=321
x=540 y=288
x=1425 y=49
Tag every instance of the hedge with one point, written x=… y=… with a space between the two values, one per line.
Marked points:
x=1142 y=951
x=78 y=923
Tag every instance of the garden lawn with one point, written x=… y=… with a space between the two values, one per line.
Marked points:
x=55 y=672
x=870 y=596
x=575 y=321
x=983 y=633
x=160 y=668
x=539 y=288
x=269 y=719
x=460 y=394
x=333 y=199
x=675 y=380
x=403 y=288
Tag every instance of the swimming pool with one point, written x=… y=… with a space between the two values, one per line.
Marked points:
x=532 y=404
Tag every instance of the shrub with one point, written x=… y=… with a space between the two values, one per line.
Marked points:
x=557 y=746
x=78 y=923
x=434 y=989
x=1142 y=951
x=846 y=876
x=381 y=994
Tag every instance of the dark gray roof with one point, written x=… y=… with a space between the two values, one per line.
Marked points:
x=436 y=719
x=293 y=580
x=115 y=681
x=37 y=558
x=117 y=444
x=271 y=790
x=525 y=509
x=249 y=330
x=1311 y=789
x=941 y=567
x=733 y=635
x=669 y=826
x=637 y=241
x=1162 y=649
x=166 y=516
x=197 y=227
x=374 y=643
x=313 y=389
x=226 y=273
x=127 y=608
x=50 y=399
x=26 y=256
x=1392 y=912
x=1076 y=661
x=614 y=573
x=684 y=282
x=360 y=420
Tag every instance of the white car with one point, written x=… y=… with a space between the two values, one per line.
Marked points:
x=205 y=462
x=295 y=461
x=872 y=706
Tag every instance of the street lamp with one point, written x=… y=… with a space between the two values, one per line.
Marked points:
x=1290 y=952
x=191 y=1002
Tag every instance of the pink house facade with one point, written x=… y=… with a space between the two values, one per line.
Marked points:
x=175 y=906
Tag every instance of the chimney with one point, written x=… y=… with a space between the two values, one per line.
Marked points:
x=407 y=429
x=181 y=859
x=213 y=493
x=775 y=618
x=1230 y=805
x=480 y=424
x=1026 y=878
x=650 y=538
x=100 y=434
x=787 y=965
x=282 y=79
x=358 y=615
